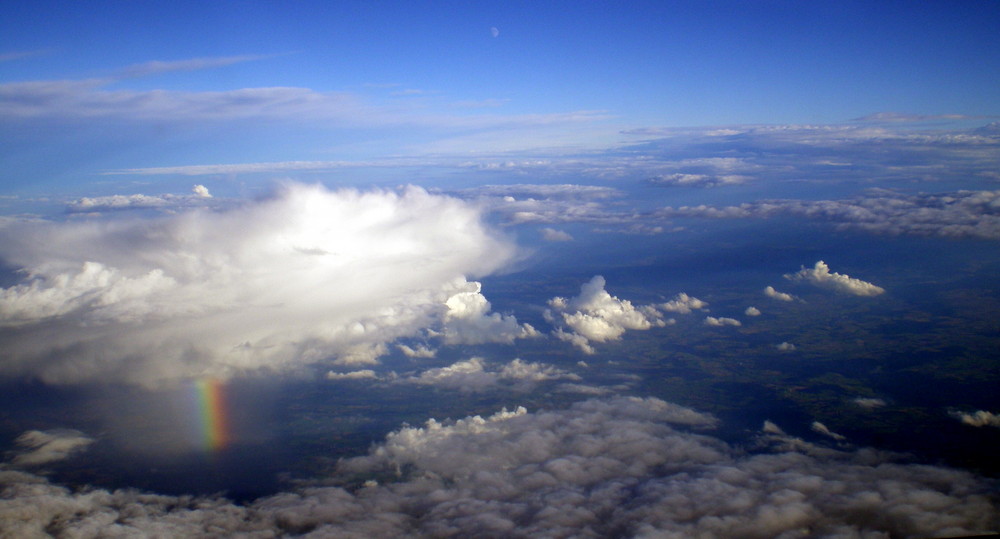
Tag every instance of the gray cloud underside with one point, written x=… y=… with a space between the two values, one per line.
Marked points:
x=619 y=467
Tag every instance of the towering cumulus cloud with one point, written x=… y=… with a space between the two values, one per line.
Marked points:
x=304 y=276
x=595 y=315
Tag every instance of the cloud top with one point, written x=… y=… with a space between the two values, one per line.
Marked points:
x=618 y=467
x=595 y=315
x=304 y=276
x=821 y=276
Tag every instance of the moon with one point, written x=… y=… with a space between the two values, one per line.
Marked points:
x=495 y=31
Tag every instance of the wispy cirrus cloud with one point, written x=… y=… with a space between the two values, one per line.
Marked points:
x=156 y=67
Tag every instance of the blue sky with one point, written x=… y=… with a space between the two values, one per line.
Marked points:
x=122 y=85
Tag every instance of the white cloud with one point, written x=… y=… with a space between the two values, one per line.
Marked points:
x=421 y=351
x=785 y=347
x=476 y=375
x=698 y=180
x=468 y=320
x=46 y=446
x=821 y=276
x=752 y=311
x=551 y=234
x=770 y=292
x=308 y=275
x=683 y=304
x=722 y=321
x=128 y=202
x=772 y=428
x=974 y=214
x=363 y=374
x=979 y=418
x=618 y=467
x=869 y=403
x=822 y=429
x=595 y=315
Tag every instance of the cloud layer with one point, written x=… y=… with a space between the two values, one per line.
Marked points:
x=304 y=276
x=974 y=214
x=618 y=467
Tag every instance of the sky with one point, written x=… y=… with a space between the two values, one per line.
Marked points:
x=499 y=269
x=119 y=86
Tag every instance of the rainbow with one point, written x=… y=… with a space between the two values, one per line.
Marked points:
x=213 y=414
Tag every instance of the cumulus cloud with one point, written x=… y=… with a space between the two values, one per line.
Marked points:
x=683 y=304
x=822 y=429
x=821 y=276
x=420 y=351
x=132 y=202
x=979 y=418
x=770 y=292
x=39 y=447
x=362 y=374
x=468 y=320
x=597 y=316
x=722 y=321
x=477 y=375
x=551 y=234
x=619 y=467
x=752 y=311
x=304 y=276
x=869 y=403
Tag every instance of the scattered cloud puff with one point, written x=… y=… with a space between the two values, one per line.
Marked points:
x=562 y=203
x=363 y=374
x=305 y=276
x=821 y=276
x=477 y=375
x=752 y=311
x=39 y=447
x=722 y=321
x=683 y=304
x=974 y=214
x=979 y=418
x=597 y=316
x=822 y=429
x=132 y=202
x=468 y=320
x=619 y=467
x=551 y=234
x=785 y=347
x=770 y=292
x=420 y=351
x=869 y=403
x=698 y=180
